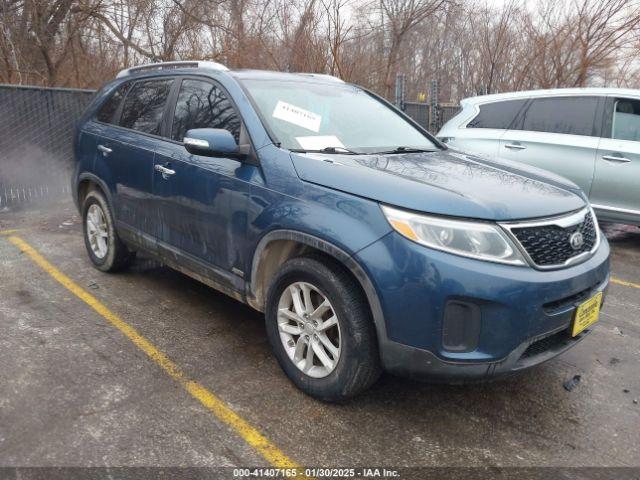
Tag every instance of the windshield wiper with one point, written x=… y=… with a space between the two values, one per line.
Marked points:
x=333 y=150
x=404 y=150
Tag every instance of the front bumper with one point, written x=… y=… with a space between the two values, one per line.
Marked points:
x=525 y=313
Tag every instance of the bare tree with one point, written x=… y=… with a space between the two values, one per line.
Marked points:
x=338 y=31
x=466 y=45
x=399 y=18
x=575 y=43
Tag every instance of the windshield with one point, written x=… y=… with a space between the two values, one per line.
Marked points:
x=332 y=117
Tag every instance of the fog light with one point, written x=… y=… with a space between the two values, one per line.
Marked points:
x=460 y=326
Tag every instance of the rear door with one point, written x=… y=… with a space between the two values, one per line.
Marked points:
x=560 y=134
x=616 y=185
x=203 y=203
x=125 y=152
x=482 y=133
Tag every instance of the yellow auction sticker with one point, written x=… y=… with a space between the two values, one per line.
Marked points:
x=586 y=314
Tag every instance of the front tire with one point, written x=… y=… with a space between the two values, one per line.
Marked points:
x=106 y=251
x=320 y=328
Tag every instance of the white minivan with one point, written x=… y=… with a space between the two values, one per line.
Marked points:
x=588 y=135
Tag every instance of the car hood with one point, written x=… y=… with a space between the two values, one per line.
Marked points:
x=446 y=182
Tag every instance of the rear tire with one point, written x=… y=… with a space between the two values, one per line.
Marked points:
x=106 y=251
x=339 y=337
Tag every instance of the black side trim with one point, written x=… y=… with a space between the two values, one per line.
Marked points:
x=607 y=117
x=210 y=275
x=598 y=124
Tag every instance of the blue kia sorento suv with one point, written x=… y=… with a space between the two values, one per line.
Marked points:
x=367 y=243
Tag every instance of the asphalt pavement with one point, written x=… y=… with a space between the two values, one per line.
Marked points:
x=77 y=390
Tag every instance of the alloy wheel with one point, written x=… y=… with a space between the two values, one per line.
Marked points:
x=309 y=329
x=97 y=231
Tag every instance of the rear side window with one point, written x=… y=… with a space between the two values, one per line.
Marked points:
x=202 y=104
x=498 y=115
x=626 y=120
x=144 y=106
x=568 y=115
x=109 y=108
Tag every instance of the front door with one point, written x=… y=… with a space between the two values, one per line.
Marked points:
x=616 y=184
x=559 y=134
x=483 y=133
x=202 y=200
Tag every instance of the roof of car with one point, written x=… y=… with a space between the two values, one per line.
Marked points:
x=284 y=76
x=550 y=92
x=181 y=66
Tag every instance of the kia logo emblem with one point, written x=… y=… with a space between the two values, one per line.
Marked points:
x=576 y=240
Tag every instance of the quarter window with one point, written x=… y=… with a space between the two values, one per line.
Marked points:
x=144 y=106
x=201 y=104
x=626 y=120
x=498 y=115
x=568 y=115
x=109 y=108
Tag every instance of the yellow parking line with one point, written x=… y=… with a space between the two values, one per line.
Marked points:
x=617 y=281
x=214 y=404
x=8 y=232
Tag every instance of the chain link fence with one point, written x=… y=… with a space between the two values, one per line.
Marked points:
x=447 y=113
x=430 y=117
x=420 y=112
x=36 y=141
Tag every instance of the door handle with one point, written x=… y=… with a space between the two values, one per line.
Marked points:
x=613 y=158
x=105 y=150
x=515 y=146
x=166 y=172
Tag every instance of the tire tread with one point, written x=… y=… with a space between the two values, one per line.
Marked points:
x=121 y=257
x=368 y=368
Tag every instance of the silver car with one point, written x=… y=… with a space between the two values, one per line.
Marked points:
x=588 y=135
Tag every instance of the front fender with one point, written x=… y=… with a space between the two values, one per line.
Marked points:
x=254 y=297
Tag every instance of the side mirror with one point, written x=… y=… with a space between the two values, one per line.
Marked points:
x=211 y=142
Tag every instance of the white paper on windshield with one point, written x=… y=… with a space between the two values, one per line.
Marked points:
x=298 y=116
x=318 y=142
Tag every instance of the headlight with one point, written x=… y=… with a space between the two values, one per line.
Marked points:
x=480 y=240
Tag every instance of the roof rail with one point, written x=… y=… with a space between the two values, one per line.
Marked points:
x=323 y=76
x=171 y=66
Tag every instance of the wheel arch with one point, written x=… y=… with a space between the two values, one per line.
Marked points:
x=84 y=184
x=278 y=246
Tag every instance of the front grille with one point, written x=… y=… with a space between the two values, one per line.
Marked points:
x=549 y=245
x=577 y=298
x=545 y=344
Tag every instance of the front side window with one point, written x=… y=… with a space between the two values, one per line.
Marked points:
x=314 y=116
x=499 y=115
x=626 y=120
x=201 y=104
x=568 y=115
x=108 y=110
x=144 y=106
